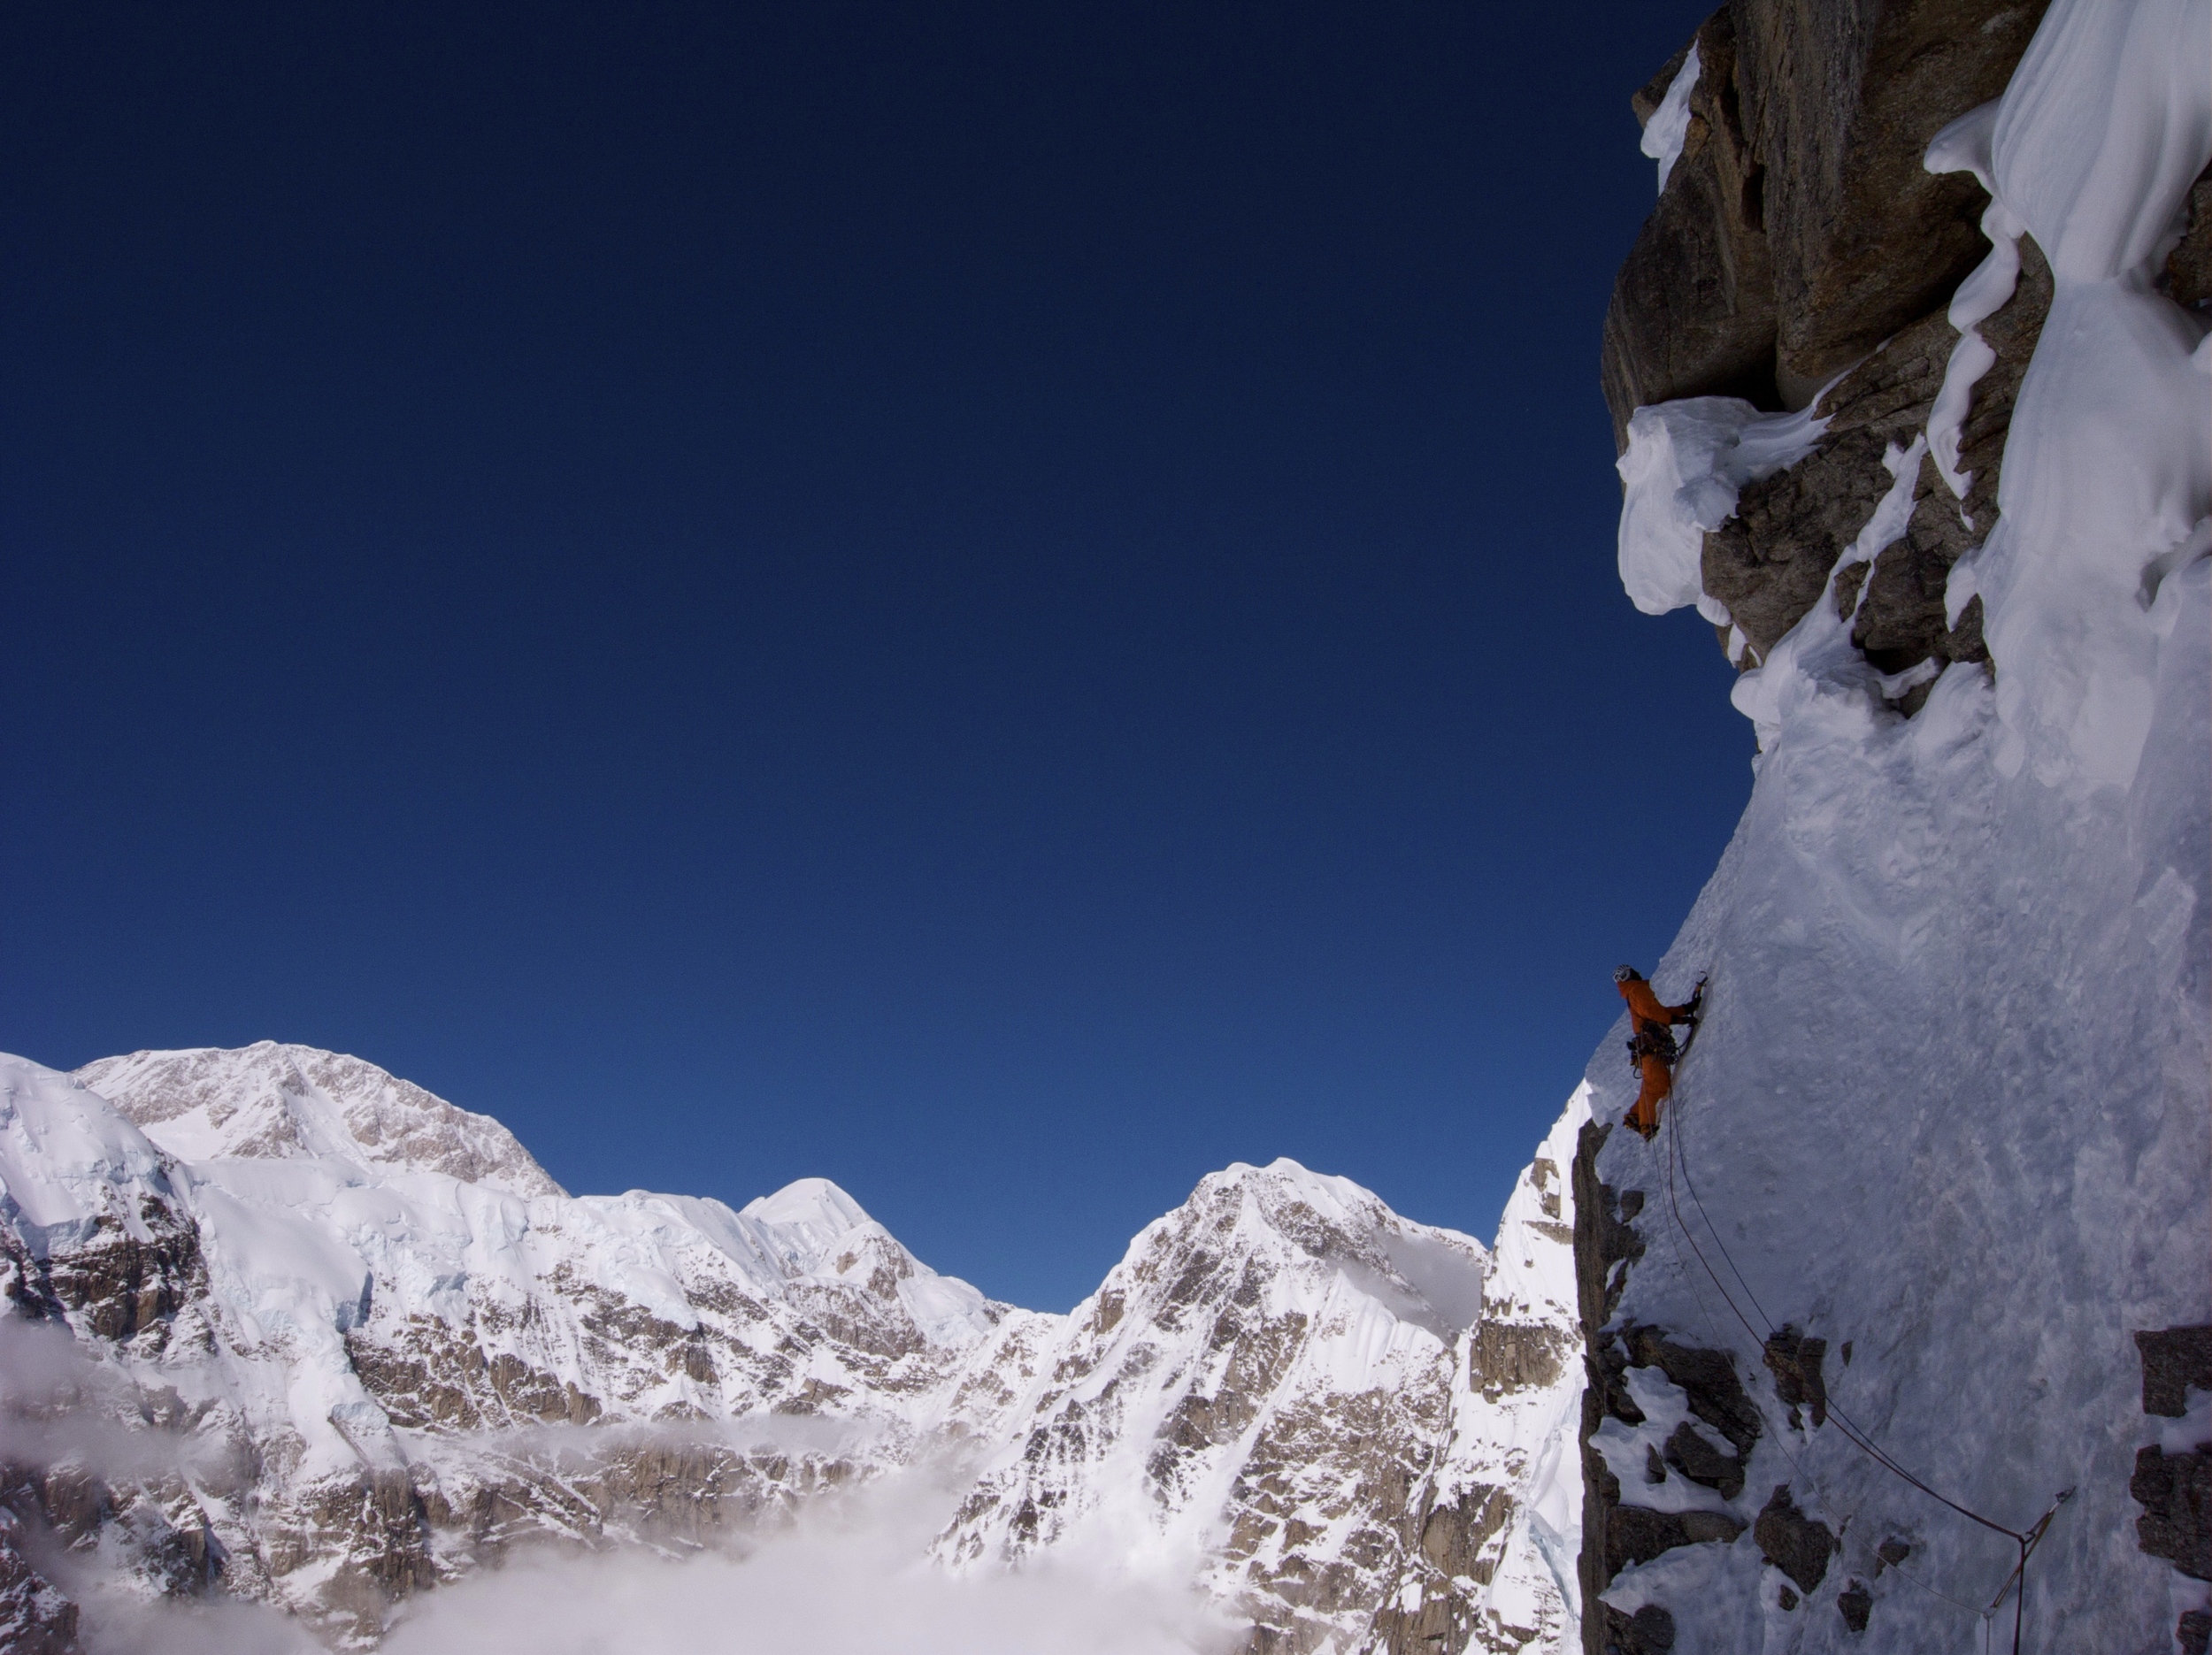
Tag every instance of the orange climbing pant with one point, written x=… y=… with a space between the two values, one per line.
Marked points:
x=1658 y=1082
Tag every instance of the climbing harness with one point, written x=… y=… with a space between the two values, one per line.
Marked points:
x=1656 y=1039
x=2027 y=1541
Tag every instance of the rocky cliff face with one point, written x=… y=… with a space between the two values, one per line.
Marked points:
x=280 y=1327
x=1937 y=463
x=1802 y=256
x=1333 y=1408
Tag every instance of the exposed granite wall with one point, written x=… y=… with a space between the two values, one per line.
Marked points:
x=1800 y=243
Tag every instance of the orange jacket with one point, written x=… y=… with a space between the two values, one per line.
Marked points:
x=1644 y=1005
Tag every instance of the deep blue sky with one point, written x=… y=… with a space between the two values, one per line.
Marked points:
x=1007 y=604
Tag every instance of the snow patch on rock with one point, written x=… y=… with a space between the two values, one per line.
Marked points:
x=1669 y=128
x=2107 y=481
x=1685 y=463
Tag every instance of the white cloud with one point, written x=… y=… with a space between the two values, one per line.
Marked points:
x=850 y=1580
x=850 y=1576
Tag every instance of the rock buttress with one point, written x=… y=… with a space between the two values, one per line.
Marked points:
x=1800 y=250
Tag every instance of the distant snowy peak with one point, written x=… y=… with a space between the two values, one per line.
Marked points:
x=822 y=1242
x=804 y=1223
x=1420 y=1273
x=1280 y=1380
x=272 y=1102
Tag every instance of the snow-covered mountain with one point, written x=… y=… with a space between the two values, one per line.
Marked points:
x=285 y=1328
x=1318 y=1399
x=271 y=1102
x=356 y=1356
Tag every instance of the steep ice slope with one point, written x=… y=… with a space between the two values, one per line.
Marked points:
x=1942 y=1147
x=1325 y=1409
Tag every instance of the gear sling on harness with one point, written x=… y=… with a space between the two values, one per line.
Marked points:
x=1653 y=1052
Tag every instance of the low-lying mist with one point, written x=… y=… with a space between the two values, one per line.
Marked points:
x=849 y=1575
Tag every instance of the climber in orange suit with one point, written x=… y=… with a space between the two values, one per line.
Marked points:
x=1653 y=1050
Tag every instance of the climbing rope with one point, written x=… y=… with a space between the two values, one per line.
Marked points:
x=2027 y=1541
x=1717 y=1340
x=1713 y=1333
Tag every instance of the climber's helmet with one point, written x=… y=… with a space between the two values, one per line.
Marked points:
x=1624 y=974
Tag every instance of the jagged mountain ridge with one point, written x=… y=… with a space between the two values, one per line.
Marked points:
x=271 y=1102
x=1223 y=1358
x=356 y=1366
x=371 y=1377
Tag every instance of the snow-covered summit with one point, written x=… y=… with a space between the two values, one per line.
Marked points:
x=812 y=1212
x=1264 y=1363
x=1420 y=1273
x=803 y=1225
x=67 y=1162
x=270 y=1101
x=821 y=1241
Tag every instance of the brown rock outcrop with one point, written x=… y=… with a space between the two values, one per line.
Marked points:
x=1799 y=228
x=1771 y=562
x=118 y=1282
x=1708 y=1378
x=2174 y=1491
x=1795 y=1362
x=1799 y=234
x=1633 y=1535
x=1799 y=1545
x=1693 y=308
x=1842 y=98
x=1855 y=1604
x=2175 y=1361
x=1649 y=1631
x=2187 y=279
